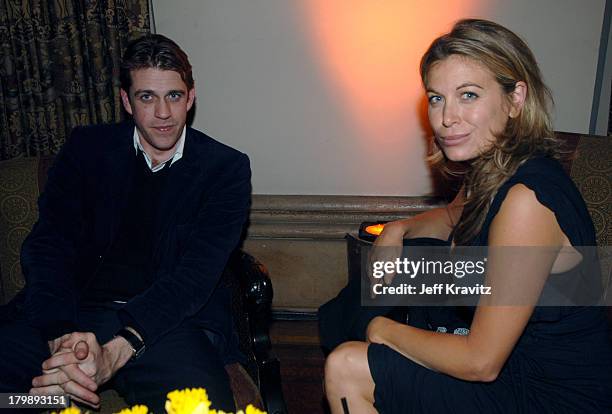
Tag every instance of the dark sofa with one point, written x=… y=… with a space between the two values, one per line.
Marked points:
x=257 y=381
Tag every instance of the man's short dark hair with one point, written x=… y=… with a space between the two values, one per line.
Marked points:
x=154 y=51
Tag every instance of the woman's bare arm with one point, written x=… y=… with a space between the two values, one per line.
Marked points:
x=436 y=223
x=480 y=355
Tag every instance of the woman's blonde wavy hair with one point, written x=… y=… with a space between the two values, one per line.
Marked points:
x=509 y=59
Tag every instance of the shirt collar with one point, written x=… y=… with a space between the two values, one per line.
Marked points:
x=178 y=154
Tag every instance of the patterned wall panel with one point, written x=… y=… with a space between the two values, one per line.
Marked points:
x=18 y=213
x=592 y=172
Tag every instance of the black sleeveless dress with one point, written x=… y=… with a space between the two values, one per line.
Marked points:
x=561 y=364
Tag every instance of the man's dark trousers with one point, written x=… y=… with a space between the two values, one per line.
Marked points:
x=183 y=358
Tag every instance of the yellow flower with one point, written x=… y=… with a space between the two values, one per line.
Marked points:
x=251 y=409
x=137 y=409
x=72 y=410
x=254 y=410
x=69 y=410
x=188 y=401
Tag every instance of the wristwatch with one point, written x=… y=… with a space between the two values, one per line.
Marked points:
x=137 y=345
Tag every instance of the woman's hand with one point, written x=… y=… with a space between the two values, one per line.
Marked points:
x=387 y=248
x=435 y=223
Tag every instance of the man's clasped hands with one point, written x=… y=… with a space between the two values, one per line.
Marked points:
x=79 y=365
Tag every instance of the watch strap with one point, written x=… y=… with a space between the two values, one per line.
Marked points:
x=137 y=345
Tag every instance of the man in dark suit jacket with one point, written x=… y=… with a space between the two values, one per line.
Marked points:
x=122 y=269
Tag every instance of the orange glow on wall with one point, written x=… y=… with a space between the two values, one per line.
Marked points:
x=369 y=51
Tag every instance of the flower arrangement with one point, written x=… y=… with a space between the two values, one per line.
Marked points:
x=187 y=401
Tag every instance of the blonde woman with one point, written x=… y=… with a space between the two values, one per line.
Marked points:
x=489 y=111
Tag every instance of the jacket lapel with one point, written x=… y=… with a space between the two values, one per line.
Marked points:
x=184 y=178
x=118 y=173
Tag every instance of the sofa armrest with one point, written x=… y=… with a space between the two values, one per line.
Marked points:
x=258 y=295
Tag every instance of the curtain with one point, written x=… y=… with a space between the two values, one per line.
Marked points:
x=59 y=68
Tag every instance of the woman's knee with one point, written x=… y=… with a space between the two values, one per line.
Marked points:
x=345 y=364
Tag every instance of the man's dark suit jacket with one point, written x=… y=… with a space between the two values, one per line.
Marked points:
x=200 y=221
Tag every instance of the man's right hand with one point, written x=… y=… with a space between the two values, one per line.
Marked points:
x=73 y=376
x=99 y=365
